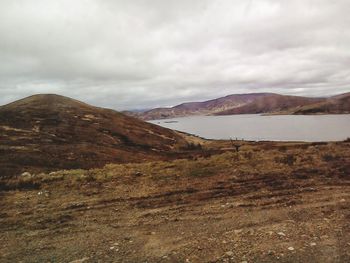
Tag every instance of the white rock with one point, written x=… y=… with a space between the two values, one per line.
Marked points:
x=312 y=244
x=291 y=248
x=281 y=234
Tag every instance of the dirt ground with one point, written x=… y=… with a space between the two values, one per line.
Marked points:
x=268 y=203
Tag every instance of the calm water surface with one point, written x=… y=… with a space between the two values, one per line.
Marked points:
x=311 y=128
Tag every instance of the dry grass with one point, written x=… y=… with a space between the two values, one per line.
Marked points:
x=170 y=211
x=252 y=158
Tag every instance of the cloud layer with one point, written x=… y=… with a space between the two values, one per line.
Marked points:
x=138 y=54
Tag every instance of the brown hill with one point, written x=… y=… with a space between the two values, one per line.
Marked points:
x=273 y=103
x=56 y=132
x=200 y=108
x=339 y=104
x=251 y=104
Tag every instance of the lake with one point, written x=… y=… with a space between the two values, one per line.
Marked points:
x=311 y=128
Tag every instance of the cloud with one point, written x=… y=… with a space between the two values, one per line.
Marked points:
x=139 y=54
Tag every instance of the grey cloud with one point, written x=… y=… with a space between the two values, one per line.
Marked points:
x=139 y=54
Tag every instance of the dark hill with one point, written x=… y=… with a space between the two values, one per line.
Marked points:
x=55 y=132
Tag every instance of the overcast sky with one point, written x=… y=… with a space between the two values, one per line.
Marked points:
x=129 y=54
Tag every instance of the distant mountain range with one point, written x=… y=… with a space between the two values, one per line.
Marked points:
x=253 y=103
x=54 y=132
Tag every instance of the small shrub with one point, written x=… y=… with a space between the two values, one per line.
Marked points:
x=282 y=148
x=248 y=155
x=289 y=159
x=329 y=157
x=193 y=146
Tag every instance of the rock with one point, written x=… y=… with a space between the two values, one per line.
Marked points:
x=291 y=248
x=80 y=260
x=111 y=248
x=45 y=193
x=26 y=174
x=237 y=231
x=281 y=234
x=138 y=173
x=229 y=253
x=312 y=244
x=342 y=200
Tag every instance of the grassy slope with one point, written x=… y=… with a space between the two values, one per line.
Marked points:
x=229 y=207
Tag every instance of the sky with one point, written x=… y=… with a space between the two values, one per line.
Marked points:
x=139 y=54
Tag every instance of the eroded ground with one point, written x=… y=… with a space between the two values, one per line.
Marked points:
x=269 y=203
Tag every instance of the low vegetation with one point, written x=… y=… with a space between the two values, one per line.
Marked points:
x=269 y=202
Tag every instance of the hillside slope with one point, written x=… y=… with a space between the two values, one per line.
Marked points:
x=272 y=104
x=271 y=202
x=339 y=104
x=200 y=108
x=252 y=103
x=55 y=132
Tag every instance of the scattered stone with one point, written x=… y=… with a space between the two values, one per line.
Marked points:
x=45 y=193
x=312 y=244
x=342 y=200
x=291 y=248
x=281 y=234
x=153 y=233
x=26 y=174
x=229 y=253
x=111 y=248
